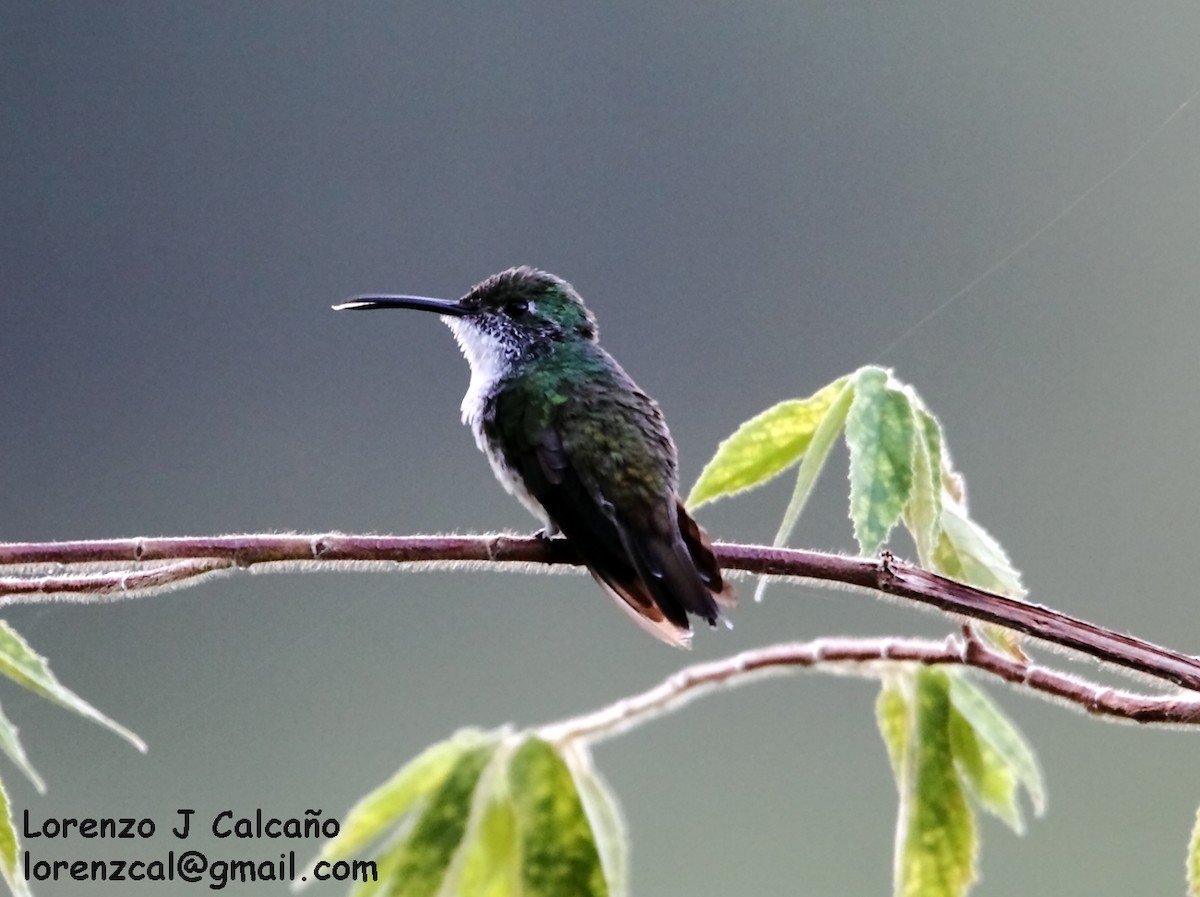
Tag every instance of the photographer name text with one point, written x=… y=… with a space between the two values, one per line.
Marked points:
x=225 y=824
x=195 y=866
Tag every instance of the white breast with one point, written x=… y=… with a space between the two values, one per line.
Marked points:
x=489 y=358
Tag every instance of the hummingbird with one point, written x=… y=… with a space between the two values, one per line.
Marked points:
x=570 y=434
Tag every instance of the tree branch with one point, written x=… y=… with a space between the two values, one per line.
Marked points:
x=142 y=566
x=109 y=586
x=869 y=659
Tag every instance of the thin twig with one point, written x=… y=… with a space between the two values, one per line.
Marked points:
x=885 y=575
x=868 y=658
x=110 y=585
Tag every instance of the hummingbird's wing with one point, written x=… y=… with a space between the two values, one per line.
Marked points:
x=588 y=521
x=643 y=549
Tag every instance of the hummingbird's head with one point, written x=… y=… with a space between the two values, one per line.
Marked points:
x=505 y=317
x=524 y=305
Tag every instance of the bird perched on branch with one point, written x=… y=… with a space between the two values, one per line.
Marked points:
x=573 y=437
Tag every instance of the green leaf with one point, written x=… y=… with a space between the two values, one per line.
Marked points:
x=1002 y=742
x=11 y=745
x=764 y=446
x=937 y=841
x=559 y=854
x=604 y=814
x=929 y=427
x=966 y=552
x=491 y=865
x=9 y=850
x=419 y=864
x=1193 y=860
x=810 y=468
x=490 y=815
x=923 y=513
x=880 y=433
x=892 y=717
x=24 y=666
x=991 y=782
x=381 y=810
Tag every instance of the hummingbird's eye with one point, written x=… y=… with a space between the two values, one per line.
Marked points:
x=516 y=308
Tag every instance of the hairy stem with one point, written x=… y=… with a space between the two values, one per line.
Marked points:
x=868 y=658
x=143 y=566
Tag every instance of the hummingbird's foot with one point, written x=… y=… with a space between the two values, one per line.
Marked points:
x=546 y=533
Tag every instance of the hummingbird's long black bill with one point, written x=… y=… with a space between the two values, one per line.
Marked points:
x=421 y=303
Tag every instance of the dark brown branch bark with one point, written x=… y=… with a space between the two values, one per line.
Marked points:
x=886 y=575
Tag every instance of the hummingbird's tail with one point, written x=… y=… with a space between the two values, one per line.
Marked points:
x=705 y=561
x=667 y=579
x=657 y=563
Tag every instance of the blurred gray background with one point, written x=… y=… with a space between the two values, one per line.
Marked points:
x=755 y=199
